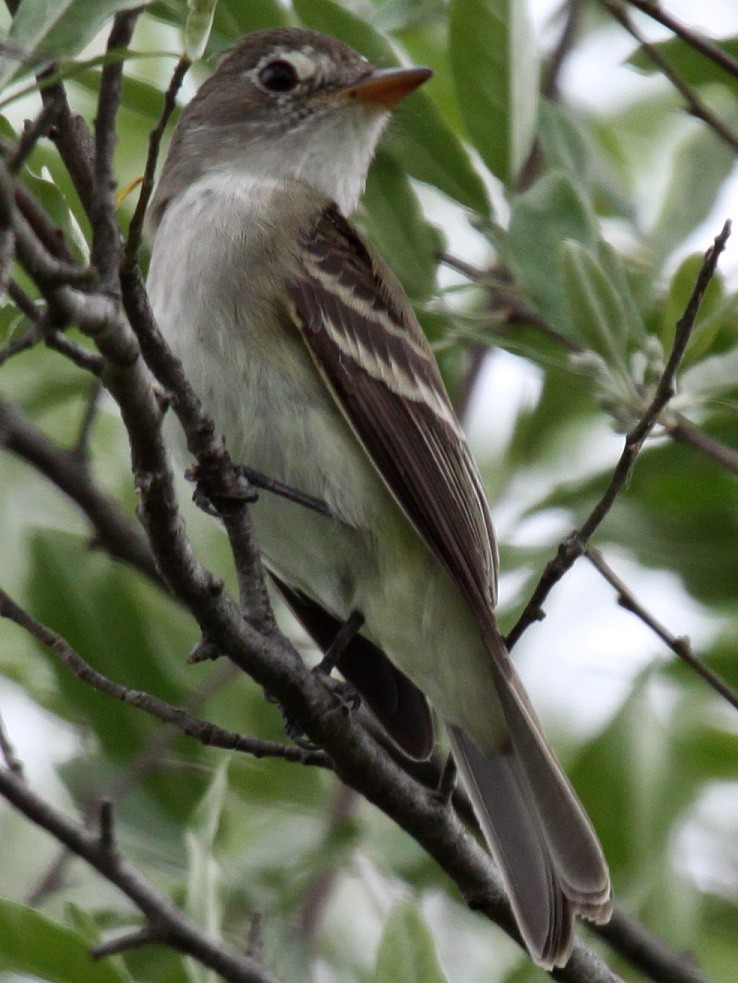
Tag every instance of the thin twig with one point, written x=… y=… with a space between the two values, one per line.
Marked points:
x=106 y=237
x=25 y=304
x=20 y=344
x=710 y=49
x=564 y=45
x=33 y=131
x=167 y=921
x=46 y=231
x=113 y=529
x=73 y=140
x=696 y=106
x=81 y=448
x=643 y=949
x=688 y=434
x=679 y=645
x=126 y=943
x=82 y=357
x=202 y=730
x=135 y=229
x=11 y=759
x=576 y=543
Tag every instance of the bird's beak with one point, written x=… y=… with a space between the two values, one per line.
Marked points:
x=386 y=86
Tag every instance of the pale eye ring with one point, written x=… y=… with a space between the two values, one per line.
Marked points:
x=279 y=76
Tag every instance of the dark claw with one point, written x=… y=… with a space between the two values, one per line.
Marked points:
x=220 y=502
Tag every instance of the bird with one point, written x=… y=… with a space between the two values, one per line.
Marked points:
x=305 y=350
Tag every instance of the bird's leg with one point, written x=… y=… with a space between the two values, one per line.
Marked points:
x=348 y=693
x=345 y=635
x=220 y=501
x=259 y=480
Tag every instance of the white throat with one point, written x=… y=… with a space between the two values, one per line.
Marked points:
x=331 y=154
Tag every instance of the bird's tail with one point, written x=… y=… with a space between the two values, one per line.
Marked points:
x=537 y=830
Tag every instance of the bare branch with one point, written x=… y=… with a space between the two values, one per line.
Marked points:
x=168 y=923
x=696 y=106
x=21 y=344
x=688 y=434
x=576 y=543
x=33 y=131
x=106 y=237
x=135 y=229
x=710 y=49
x=565 y=43
x=107 y=826
x=114 y=531
x=11 y=759
x=202 y=730
x=640 y=947
x=126 y=943
x=679 y=645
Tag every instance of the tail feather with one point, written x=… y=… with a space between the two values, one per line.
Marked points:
x=572 y=842
x=537 y=830
x=513 y=830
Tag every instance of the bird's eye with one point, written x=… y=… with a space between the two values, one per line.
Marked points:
x=279 y=76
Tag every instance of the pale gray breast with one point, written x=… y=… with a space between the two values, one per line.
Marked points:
x=219 y=261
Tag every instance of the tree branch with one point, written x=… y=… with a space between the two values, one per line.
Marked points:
x=113 y=529
x=696 y=106
x=168 y=924
x=710 y=49
x=576 y=543
x=686 y=433
x=135 y=229
x=680 y=646
x=203 y=731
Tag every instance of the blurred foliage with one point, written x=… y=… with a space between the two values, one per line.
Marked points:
x=602 y=243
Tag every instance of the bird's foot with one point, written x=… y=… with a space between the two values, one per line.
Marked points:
x=347 y=694
x=218 y=495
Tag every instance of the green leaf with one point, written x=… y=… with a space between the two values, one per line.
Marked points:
x=716 y=307
x=406 y=949
x=50 y=196
x=495 y=66
x=394 y=223
x=125 y=630
x=570 y=145
x=203 y=882
x=233 y=18
x=43 y=29
x=33 y=944
x=700 y=168
x=693 y=67
x=198 y=26
x=597 y=312
x=552 y=211
x=420 y=139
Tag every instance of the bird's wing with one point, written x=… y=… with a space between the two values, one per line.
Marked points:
x=370 y=349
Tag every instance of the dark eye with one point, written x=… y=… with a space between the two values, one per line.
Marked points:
x=278 y=76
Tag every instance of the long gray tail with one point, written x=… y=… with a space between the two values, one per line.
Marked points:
x=537 y=830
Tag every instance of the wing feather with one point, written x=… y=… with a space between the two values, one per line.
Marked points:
x=369 y=347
